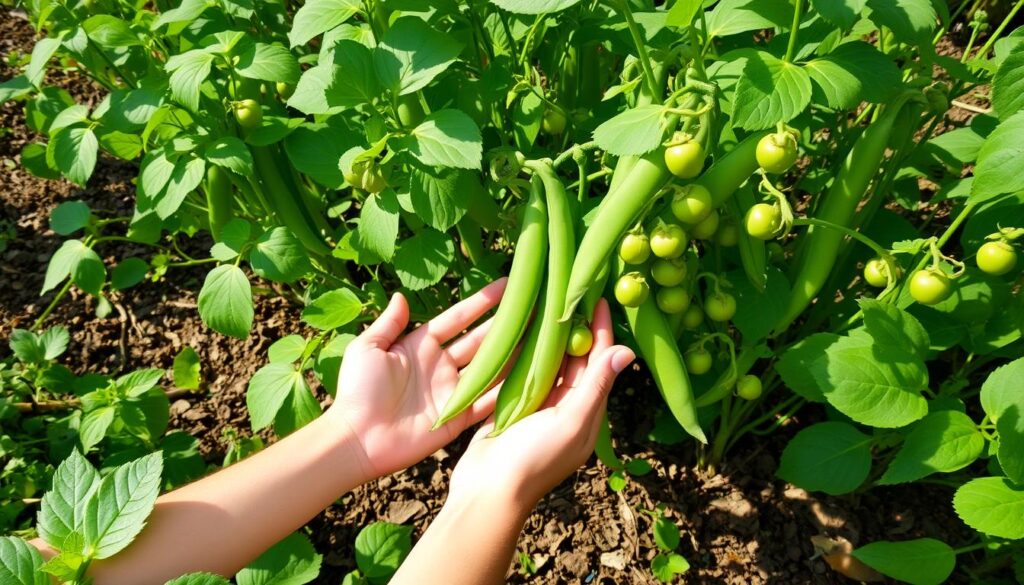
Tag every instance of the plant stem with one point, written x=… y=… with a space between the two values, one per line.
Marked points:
x=969 y=548
x=641 y=49
x=852 y=233
x=53 y=304
x=791 y=47
x=1002 y=26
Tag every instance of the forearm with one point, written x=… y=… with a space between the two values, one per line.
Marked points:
x=220 y=523
x=471 y=542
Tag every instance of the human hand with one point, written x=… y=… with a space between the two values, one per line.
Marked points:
x=533 y=455
x=392 y=387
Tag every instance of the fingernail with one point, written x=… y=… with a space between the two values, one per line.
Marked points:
x=621 y=359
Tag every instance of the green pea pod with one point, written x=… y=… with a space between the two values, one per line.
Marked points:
x=284 y=202
x=659 y=349
x=617 y=213
x=219 y=198
x=523 y=394
x=513 y=312
x=604 y=449
x=821 y=246
x=752 y=250
x=731 y=169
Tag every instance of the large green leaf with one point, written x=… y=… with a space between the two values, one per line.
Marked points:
x=78 y=261
x=20 y=563
x=633 y=132
x=380 y=549
x=1008 y=84
x=943 y=441
x=225 y=301
x=268 y=389
x=441 y=198
x=730 y=17
x=62 y=510
x=412 y=54
x=998 y=168
x=924 y=561
x=124 y=499
x=279 y=256
x=853 y=72
x=908 y=19
x=315 y=17
x=378 y=224
x=423 y=259
x=830 y=457
x=446 y=138
x=770 y=91
x=1003 y=402
x=74 y=153
x=842 y=13
x=535 y=6
x=293 y=561
x=69 y=217
x=332 y=309
x=992 y=506
x=188 y=72
x=268 y=63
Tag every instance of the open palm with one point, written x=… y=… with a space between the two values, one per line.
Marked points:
x=391 y=387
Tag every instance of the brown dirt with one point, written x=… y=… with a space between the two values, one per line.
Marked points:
x=741 y=526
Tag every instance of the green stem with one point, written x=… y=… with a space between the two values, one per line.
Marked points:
x=969 y=548
x=641 y=49
x=53 y=304
x=1002 y=26
x=849 y=232
x=791 y=48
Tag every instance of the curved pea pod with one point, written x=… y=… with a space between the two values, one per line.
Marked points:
x=659 y=349
x=731 y=169
x=219 y=198
x=604 y=449
x=513 y=314
x=753 y=253
x=618 y=212
x=531 y=378
x=821 y=246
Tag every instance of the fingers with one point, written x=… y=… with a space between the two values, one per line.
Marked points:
x=383 y=332
x=602 y=329
x=464 y=348
x=463 y=314
x=587 y=400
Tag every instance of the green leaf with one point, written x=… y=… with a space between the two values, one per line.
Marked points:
x=53 y=342
x=292 y=561
x=924 y=561
x=731 y=17
x=187 y=175
x=20 y=563
x=123 y=501
x=315 y=149
x=1008 y=84
x=842 y=13
x=110 y=32
x=446 y=138
x=225 y=301
x=43 y=50
x=894 y=328
x=279 y=256
x=130 y=109
x=79 y=261
x=182 y=460
x=853 y=72
x=268 y=63
x=908 y=19
x=234 y=237
x=14 y=88
x=412 y=54
x=68 y=562
x=186 y=369
x=95 y=425
x=232 y=154
x=830 y=457
x=441 y=199
x=318 y=16
x=378 y=224
x=199 y=578
x=120 y=144
x=758 y=312
x=154 y=174
x=683 y=12
x=992 y=506
x=380 y=549
x=328 y=361
x=186 y=12
x=1003 y=401
x=128 y=273
x=942 y=442
x=770 y=91
x=998 y=169
x=666 y=534
x=633 y=132
x=876 y=387
x=188 y=72
x=74 y=153
x=69 y=217
x=287 y=350
x=62 y=510
x=310 y=96
x=299 y=409
x=33 y=158
x=535 y=6
x=332 y=309
x=665 y=567
x=26 y=346
x=353 y=76
x=268 y=389
x=423 y=259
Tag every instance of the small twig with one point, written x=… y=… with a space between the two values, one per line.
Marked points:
x=971 y=108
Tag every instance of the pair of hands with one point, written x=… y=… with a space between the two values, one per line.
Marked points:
x=393 y=386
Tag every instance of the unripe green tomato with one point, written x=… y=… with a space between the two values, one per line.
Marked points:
x=728 y=235
x=285 y=90
x=692 y=203
x=693 y=317
x=706 y=228
x=749 y=387
x=631 y=289
x=930 y=286
x=553 y=122
x=581 y=339
x=668 y=241
x=698 y=360
x=720 y=306
x=763 y=221
x=635 y=249
x=673 y=299
x=776 y=152
x=668 y=272
x=875 y=272
x=685 y=160
x=996 y=258
x=248 y=114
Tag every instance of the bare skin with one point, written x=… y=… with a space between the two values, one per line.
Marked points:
x=392 y=387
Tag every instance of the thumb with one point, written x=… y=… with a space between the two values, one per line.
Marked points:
x=383 y=332
x=588 y=398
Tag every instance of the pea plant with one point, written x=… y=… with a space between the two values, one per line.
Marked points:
x=802 y=211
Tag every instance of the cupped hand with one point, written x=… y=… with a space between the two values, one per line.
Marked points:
x=533 y=455
x=392 y=387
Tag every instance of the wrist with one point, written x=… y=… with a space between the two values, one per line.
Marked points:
x=510 y=504
x=350 y=455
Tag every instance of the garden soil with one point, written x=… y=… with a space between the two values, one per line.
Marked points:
x=740 y=526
